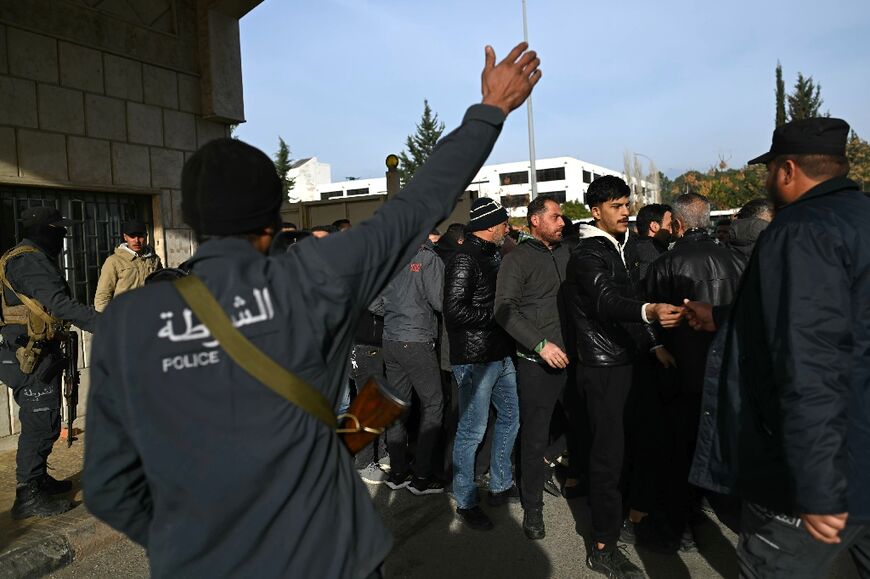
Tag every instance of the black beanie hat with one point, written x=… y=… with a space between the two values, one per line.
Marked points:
x=485 y=213
x=229 y=187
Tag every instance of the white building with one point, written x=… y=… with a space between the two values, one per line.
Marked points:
x=308 y=174
x=565 y=178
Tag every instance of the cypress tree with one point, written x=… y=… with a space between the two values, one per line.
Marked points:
x=283 y=162
x=780 y=96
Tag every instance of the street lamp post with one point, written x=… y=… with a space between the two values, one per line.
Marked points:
x=534 y=173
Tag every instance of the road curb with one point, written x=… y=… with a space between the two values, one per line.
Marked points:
x=70 y=537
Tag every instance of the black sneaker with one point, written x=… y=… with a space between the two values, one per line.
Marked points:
x=533 y=524
x=613 y=563
x=425 y=486
x=475 y=518
x=398 y=481
x=551 y=487
x=511 y=495
x=628 y=532
x=687 y=542
x=52 y=486
x=32 y=501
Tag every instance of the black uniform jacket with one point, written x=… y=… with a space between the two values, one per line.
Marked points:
x=700 y=269
x=469 y=301
x=209 y=469
x=786 y=406
x=604 y=301
x=37 y=276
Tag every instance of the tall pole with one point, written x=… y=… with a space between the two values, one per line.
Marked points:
x=534 y=172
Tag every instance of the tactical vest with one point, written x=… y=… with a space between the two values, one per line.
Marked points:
x=41 y=325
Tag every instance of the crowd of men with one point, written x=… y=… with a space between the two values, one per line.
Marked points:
x=658 y=369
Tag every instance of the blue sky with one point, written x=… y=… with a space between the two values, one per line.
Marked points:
x=683 y=82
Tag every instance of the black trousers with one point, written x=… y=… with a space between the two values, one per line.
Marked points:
x=539 y=388
x=39 y=413
x=413 y=365
x=773 y=546
x=605 y=391
x=367 y=362
x=645 y=440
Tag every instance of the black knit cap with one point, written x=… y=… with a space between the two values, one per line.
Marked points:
x=229 y=187
x=816 y=136
x=485 y=213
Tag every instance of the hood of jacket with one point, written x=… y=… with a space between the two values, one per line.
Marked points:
x=589 y=231
x=124 y=251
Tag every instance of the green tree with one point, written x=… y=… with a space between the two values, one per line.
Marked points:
x=858 y=153
x=725 y=188
x=421 y=144
x=283 y=162
x=780 y=96
x=575 y=210
x=806 y=100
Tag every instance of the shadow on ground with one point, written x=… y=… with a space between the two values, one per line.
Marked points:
x=431 y=543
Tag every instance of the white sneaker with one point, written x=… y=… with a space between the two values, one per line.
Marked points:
x=372 y=474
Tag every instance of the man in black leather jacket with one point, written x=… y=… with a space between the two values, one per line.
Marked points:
x=698 y=268
x=480 y=352
x=609 y=319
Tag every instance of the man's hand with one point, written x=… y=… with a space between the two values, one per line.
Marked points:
x=700 y=316
x=509 y=83
x=554 y=356
x=665 y=358
x=825 y=528
x=667 y=315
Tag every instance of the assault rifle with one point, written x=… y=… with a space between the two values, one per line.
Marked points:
x=71 y=381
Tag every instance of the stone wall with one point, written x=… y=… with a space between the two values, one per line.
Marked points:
x=114 y=95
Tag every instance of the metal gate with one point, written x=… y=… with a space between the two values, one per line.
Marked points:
x=94 y=235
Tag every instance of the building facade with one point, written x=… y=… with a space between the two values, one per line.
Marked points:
x=565 y=178
x=101 y=102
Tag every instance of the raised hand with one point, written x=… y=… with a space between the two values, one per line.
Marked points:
x=509 y=83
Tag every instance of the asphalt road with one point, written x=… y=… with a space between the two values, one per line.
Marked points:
x=430 y=543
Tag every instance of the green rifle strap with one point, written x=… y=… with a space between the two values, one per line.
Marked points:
x=247 y=355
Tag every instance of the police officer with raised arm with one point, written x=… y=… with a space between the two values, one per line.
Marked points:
x=189 y=454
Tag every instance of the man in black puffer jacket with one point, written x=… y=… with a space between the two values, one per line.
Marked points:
x=480 y=352
x=609 y=320
x=700 y=269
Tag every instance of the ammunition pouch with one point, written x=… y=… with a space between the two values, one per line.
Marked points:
x=28 y=357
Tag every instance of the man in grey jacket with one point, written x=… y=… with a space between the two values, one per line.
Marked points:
x=191 y=456
x=410 y=327
x=529 y=307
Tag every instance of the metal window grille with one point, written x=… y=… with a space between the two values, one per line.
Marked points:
x=93 y=236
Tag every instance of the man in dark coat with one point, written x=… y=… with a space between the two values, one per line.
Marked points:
x=529 y=306
x=786 y=406
x=699 y=269
x=654 y=234
x=189 y=454
x=480 y=352
x=30 y=270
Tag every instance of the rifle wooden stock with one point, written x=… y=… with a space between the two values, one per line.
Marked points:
x=373 y=409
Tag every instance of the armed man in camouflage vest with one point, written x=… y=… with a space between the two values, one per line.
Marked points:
x=37 y=308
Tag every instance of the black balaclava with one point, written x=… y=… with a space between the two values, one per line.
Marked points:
x=47 y=237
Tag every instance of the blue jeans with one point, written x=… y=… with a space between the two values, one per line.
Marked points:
x=479 y=386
